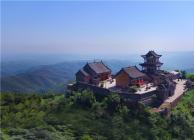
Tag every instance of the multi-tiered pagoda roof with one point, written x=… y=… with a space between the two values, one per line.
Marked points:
x=151 y=62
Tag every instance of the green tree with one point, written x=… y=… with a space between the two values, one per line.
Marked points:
x=113 y=101
x=183 y=73
x=191 y=77
x=86 y=137
x=86 y=99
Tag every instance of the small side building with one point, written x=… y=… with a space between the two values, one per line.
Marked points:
x=130 y=76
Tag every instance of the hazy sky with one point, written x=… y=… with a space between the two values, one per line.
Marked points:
x=96 y=27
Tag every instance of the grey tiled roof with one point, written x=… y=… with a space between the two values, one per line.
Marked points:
x=152 y=64
x=153 y=53
x=133 y=72
x=99 y=67
x=83 y=72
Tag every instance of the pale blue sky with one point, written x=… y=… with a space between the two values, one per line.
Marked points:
x=96 y=27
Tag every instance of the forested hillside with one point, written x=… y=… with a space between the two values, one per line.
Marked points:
x=41 y=79
x=27 y=78
x=83 y=116
x=47 y=78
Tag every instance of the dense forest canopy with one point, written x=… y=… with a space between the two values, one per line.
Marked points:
x=83 y=116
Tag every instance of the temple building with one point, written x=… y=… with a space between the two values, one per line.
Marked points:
x=95 y=73
x=151 y=63
x=130 y=76
x=147 y=86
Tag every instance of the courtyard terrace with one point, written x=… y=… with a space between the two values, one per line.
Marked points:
x=146 y=88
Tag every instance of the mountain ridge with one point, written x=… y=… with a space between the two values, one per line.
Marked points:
x=54 y=77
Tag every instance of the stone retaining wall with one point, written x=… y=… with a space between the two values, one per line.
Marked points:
x=128 y=97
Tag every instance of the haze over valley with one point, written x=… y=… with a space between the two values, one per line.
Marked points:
x=44 y=43
x=53 y=73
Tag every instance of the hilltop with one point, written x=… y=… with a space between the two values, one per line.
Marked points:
x=83 y=116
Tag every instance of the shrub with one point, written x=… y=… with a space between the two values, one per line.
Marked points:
x=191 y=77
x=86 y=137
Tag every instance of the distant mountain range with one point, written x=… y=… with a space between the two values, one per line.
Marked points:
x=48 y=78
x=40 y=78
x=31 y=77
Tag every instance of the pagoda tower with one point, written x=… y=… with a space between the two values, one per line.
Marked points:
x=151 y=63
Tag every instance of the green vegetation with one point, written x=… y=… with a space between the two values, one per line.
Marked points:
x=183 y=73
x=40 y=79
x=191 y=77
x=85 y=117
